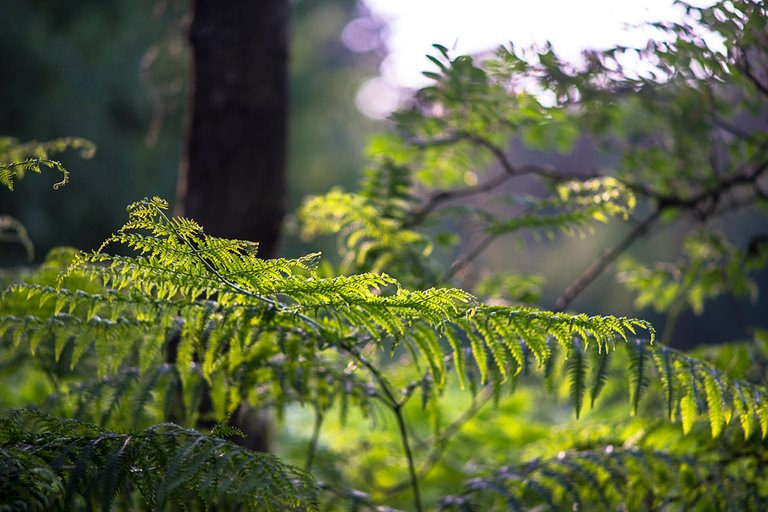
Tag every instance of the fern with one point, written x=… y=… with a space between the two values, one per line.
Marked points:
x=577 y=377
x=165 y=464
x=16 y=159
x=606 y=479
x=600 y=375
x=237 y=321
x=638 y=361
x=178 y=271
x=164 y=323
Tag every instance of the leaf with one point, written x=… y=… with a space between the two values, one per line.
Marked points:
x=458 y=355
x=638 y=378
x=663 y=359
x=715 y=404
x=744 y=407
x=577 y=371
x=599 y=374
x=688 y=411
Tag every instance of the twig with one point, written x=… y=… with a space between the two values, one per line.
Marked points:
x=397 y=408
x=746 y=68
x=605 y=259
x=441 y=440
x=409 y=456
x=509 y=171
x=465 y=260
x=446 y=195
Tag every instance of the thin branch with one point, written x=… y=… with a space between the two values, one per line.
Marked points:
x=746 y=68
x=734 y=130
x=397 y=408
x=465 y=260
x=605 y=259
x=509 y=171
x=447 y=195
x=409 y=456
x=440 y=441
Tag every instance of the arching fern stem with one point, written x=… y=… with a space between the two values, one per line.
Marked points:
x=389 y=397
x=397 y=408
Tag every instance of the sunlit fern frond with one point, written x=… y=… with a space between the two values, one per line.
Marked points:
x=573 y=208
x=225 y=318
x=219 y=309
x=18 y=158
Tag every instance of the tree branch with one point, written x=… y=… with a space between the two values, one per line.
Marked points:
x=465 y=260
x=509 y=171
x=440 y=441
x=605 y=259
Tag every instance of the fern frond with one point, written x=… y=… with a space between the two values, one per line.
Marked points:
x=165 y=463
x=638 y=378
x=577 y=375
x=663 y=360
x=716 y=406
x=229 y=314
x=599 y=375
x=16 y=158
x=614 y=478
x=573 y=209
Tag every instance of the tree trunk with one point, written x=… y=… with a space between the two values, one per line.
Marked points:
x=232 y=179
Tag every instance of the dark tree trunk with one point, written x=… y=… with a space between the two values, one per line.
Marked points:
x=232 y=179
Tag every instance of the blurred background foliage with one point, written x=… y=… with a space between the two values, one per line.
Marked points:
x=115 y=73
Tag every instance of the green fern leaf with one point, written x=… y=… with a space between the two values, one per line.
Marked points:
x=115 y=472
x=663 y=359
x=744 y=407
x=577 y=374
x=761 y=409
x=688 y=409
x=638 y=381
x=599 y=374
x=458 y=355
x=715 y=404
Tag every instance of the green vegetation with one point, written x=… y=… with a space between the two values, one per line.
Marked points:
x=399 y=377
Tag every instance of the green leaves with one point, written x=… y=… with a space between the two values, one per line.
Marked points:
x=612 y=478
x=692 y=386
x=165 y=464
x=638 y=378
x=170 y=282
x=709 y=267
x=577 y=376
x=16 y=159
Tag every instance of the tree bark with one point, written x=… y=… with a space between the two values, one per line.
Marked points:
x=232 y=178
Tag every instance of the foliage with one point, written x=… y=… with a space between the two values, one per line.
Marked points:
x=18 y=158
x=165 y=323
x=116 y=73
x=50 y=464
